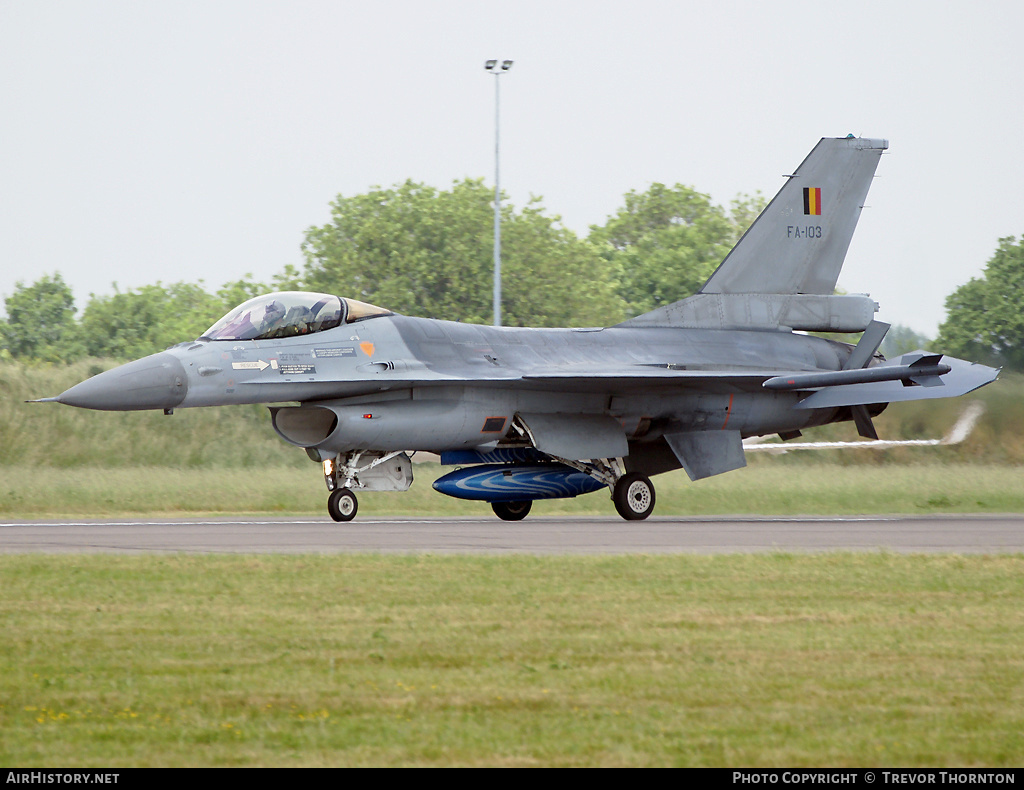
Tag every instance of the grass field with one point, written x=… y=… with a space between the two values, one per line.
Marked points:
x=770 y=486
x=753 y=660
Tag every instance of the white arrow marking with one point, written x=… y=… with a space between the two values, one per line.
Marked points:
x=257 y=365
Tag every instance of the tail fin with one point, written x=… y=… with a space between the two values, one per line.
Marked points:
x=799 y=242
x=795 y=247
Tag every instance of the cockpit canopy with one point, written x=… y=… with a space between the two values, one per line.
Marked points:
x=289 y=314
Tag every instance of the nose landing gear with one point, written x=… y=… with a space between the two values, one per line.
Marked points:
x=366 y=470
x=342 y=505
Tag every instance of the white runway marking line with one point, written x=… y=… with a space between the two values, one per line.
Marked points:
x=227 y=523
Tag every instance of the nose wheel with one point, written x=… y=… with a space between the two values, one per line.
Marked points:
x=633 y=496
x=342 y=505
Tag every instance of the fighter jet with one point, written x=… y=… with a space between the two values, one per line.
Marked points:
x=527 y=414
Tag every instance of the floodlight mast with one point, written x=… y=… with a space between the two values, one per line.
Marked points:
x=491 y=66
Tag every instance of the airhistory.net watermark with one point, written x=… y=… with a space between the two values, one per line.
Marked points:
x=60 y=778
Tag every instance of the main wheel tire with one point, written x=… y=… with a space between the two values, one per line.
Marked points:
x=342 y=505
x=634 y=496
x=512 y=511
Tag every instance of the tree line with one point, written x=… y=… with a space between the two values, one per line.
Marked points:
x=985 y=316
x=424 y=251
x=421 y=251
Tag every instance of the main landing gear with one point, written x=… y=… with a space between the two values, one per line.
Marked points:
x=632 y=492
x=633 y=496
x=512 y=511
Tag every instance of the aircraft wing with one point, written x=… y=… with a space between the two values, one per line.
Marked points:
x=926 y=376
x=590 y=378
x=916 y=376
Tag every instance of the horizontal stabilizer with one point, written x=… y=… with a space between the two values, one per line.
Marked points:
x=962 y=377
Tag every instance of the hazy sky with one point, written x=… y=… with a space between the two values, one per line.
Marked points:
x=144 y=140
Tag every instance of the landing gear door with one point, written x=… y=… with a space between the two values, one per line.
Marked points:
x=394 y=474
x=576 y=436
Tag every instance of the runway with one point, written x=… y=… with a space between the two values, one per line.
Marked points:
x=960 y=534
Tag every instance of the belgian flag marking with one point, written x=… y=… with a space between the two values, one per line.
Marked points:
x=812 y=200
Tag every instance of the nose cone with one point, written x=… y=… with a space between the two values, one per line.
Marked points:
x=155 y=382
